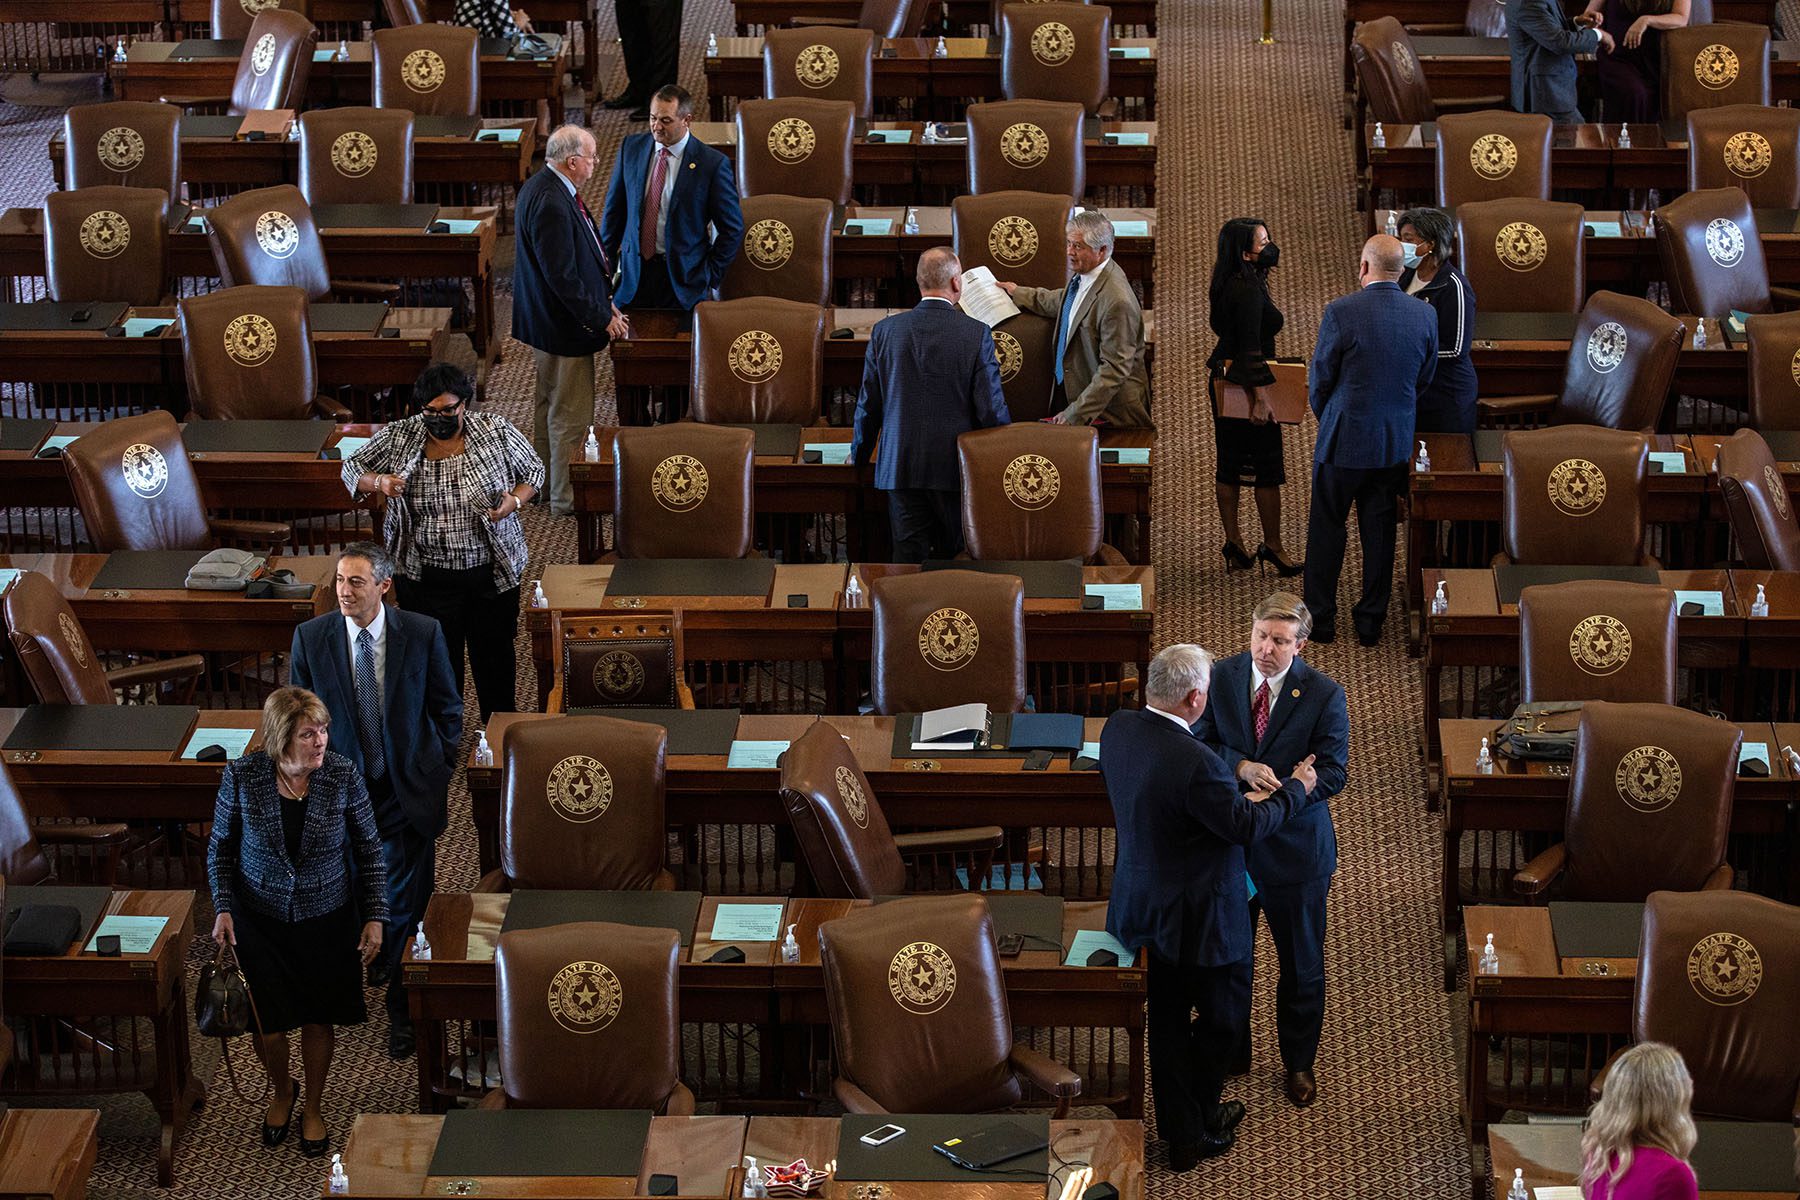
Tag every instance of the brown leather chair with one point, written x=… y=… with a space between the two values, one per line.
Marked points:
x=581 y=806
x=795 y=148
x=63 y=666
x=590 y=1018
x=267 y=236
x=273 y=71
x=1597 y=640
x=1712 y=255
x=820 y=64
x=1032 y=492
x=1492 y=155
x=137 y=490
x=1018 y=235
x=432 y=70
x=1774 y=340
x=107 y=243
x=919 y=1018
x=401 y=13
x=1523 y=255
x=1056 y=51
x=758 y=361
x=617 y=660
x=231 y=19
x=1574 y=494
x=844 y=838
x=885 y=18
x=947 y=637
x=787 y=251
x=248 y=355
x=1746 y=146
x=126 y=143
x=1649 y=806
x=1710 y=66
x=1027 y=146
x=356 y=156
x=1757 y=503
x=683 y=490
x=1393 y=82
x=1621 y=364
x=1026 y=348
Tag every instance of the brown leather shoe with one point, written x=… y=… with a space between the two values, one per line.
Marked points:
x=1302 y=1089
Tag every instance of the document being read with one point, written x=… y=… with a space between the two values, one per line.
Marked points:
x=984 y=299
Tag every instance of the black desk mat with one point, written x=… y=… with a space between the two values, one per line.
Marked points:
x=772 y=441
x=445 y=127
x=256 y=437
x=1745 y=1156
x=24 y=433
x=346 y=318
x=374 y=216
x=910 y=1156
x=692 y=577
x=1000 y=741
x=1524 y=326
x=537 y=908
x=208 y=48
x=50 y=316
x=1490 y=445
x=690 y=730
x=209 y=125
x=1594 y=929
x=129 y=569
x=1037 y=916
x=89 y=902
x=542 y=1141
x=1783 y=443
x=1509 y=581
x=103 y=727
x=1058 y=579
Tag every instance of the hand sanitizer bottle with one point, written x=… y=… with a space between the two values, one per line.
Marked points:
x=1624 y=137
x=421 y=947
x=1490 y=959
x=538 y=599
x=712 y=45
x=484 y=753
x=339 y=1184
x=1699 y=333
x=1759 y=607
x=1393 y=224
x=1423 y=464
x=941 y=50
x=912 y=220
x=1484 y=759
x=1792 y=758
x=591 y=449
x=119 y=50
x=790 y=947
x=1440 y=604
x=753 y=1182
x=1378 y=139
x=853 y=592
x=1518 y=1190
x=343 y=51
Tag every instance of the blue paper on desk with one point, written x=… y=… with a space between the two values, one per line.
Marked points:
x=1130 y=138
x=869 y=226
x=499 y=135
x=137 y=935
x=893 y=137
x=347 y=446
x=459 y=226
x=1090 y=750
x=1606 y=228
x=195 y=224
x=1131 y=229
x=746 y=923
x=834 y=454
x=1134 y=456
x=7 y=575
x=146 y=326
x=235 y=741
x=325 y=55
x=1044 y=731
x=1668 y=462
x=755 y=756
x=1118 y=597
x=1089 y=940
x=1712 y=604
x=56 y=441
x=1753 y=750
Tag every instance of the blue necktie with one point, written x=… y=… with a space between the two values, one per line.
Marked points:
x=368 y=708
x=1062 y=323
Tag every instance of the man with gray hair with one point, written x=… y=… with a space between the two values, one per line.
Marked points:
x=1099 y=357
x=1179 y=893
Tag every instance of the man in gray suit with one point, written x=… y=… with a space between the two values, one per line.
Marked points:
x=1099 y=372
x=1544 y=44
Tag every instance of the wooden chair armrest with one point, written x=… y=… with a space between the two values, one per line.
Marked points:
x=160 y=670
x=1110 y=557
x=330 y=410
x=493 y=883
x=1109 y=109
x=196 y=101
x=1720 y=880
x=270 y=533
x=829 y=22
x=1784 y=298
x=494 y=1101
x=1537 y=875
x=362 y=289
x=853 y=1098
x=1046 y=1074
x=1597 y=1084
x=684 y=695
x=947 y=841
x=80 y=835
x=680 y=1102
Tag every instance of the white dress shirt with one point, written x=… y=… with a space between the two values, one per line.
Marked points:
x=1274 y=681
x=576 y=192
x=662 y=211
x=1083 y=284
x=378 y=633
x=1169 y=716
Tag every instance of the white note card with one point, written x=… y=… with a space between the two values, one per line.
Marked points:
x=1118 y=597
x=1133 y=456
x=1090 y=750
x=1130 y=137
x=348 y=446
x=1131 y=229
x=146 y=326
x=1712 y=604
x=1670 y=462
x=7 y=576
x=1606 y=228
x=1560 y=1192
x=1756 y=750
x=869 y=226
x=746 y=923
x=756 y=756
x=499 y=135
x=834 y=454
x=460 y=226
x=1132 y=51
x=137 y=935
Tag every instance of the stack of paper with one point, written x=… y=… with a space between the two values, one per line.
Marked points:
x=984 y=299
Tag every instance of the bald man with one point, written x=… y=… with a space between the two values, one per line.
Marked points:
x=1377 y=351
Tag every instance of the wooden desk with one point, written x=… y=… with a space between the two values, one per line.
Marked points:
x=104 y=998
x=964 y=15
x=47 y=1153
x=1550 y=1156
x=1457 y=67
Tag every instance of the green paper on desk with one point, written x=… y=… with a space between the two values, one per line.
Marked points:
x=892 y=137
x=57 y=441
x=755 y=756
x=137 y=935
x=347 y=446
x=1606 y=228
x=1089 y=940
x=196 y=224
x=1668 y=462
x=499 y=135
x=835 y=454
x=1133 y=456
x=325 y=55
x=1712 y=604
x=235 y=741
x=146 y=326
x=7 y=575
x=1132 y=51
x=1131 y=229
x=1118 y=597
x=1130 y=138
x=1735 y=322
x=1756 y=750
x=1090 y=750
x=869 y=226
x=458 y=226
x=746 y=922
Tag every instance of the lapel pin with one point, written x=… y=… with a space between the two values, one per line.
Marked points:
x=1295 y=693
x=693 y=166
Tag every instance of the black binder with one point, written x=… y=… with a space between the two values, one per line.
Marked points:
x=24 y=433
x=346 y=318
x=772 y=441
x=910 y=1156
x=55 y=316
x=1525 y=326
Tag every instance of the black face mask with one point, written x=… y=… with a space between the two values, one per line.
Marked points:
x=442 y=426
x=1268 y=256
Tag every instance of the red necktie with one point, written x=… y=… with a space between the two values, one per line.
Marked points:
x=653 y=204
x=1259 y=711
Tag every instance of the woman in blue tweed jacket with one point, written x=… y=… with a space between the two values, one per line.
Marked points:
x=290 y=821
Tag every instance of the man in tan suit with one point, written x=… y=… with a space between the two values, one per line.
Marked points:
x=1099 y=368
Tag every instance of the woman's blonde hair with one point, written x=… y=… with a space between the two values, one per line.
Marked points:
x=283 y=713
x=1646 y=1103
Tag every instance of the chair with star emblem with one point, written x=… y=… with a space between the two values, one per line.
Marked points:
x=1650 y=795
x=1747 y=146
x=356 y=156
x=431 y=70
x=268 y=236
x=1597 y=639
x=683 y=490
x=1492 y=155
x=1032 y=492
x=1574 y=495
x=123 y=143
x=1774 y=344
x=1026 y=347
x=821 y=64
x=136 y=490
x=942 y=638
x=616 y=659
x=1712 y=256
x=273 y=70
x=248 y=354
x=1017 y=235
x=1523 y=255
x=231 y=19
x=1621 y=365
x=919 y=1017
x=589 y=1018
x=1392 y=82
x=34 y=852
x=1757 y=503
x=1710 y=66
x=401 y=13
x=581 y=806
x=1057 y=51
x=757 y=361
x=63 y=666
x=1028 y=146
x=786 y=251
x=107 y=243
x=1718 y=978
x=795 y=147
x=883 y=18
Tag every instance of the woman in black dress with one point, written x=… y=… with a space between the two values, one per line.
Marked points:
x=1249 y=451
x=289 y=821
x=1631 y=75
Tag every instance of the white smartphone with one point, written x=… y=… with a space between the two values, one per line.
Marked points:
x=877 y=1137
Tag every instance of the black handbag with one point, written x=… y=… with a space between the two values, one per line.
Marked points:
x=224 y=1008
x=1542 y=732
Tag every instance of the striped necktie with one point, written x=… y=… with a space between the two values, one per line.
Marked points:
x=368 y=708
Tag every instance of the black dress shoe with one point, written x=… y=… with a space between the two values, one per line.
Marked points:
x=1227 y=1119
x=1323 y=634
x=1368 y=637
x=377 y=973
x=401 y=1041
x=1209 y=1145
x=314 y=1149
x=1302 y=1089
x=1239 y=1065
x=274 y=1135
x=622 y=101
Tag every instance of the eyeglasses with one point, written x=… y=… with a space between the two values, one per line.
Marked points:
x=446 y=408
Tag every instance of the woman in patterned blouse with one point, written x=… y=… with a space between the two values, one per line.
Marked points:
x=492 y=18
x=454 y=482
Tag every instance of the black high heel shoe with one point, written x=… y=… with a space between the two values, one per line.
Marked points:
x=1235 y=558
x=312 y=1149
x=1283 y=568
x=274 y=1135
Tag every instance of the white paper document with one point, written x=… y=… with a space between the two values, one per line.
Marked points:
x=960 y=728
x=984 y=299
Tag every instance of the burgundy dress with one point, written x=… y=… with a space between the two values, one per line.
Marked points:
x=1630 y=80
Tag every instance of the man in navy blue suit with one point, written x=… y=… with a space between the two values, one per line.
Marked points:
x=930 y=374
x=396 y=712
x=672 y=222
x=1178 y=893
x=1269 y=710
x=1376 y=352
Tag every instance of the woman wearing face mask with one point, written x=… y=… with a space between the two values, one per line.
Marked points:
x=1249 y=451
x=1431 y=274
x=454 y=482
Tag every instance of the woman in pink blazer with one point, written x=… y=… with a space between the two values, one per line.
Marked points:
x=1640 y=1133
